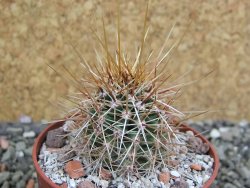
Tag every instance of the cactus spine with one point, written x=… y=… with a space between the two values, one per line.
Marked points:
x=125 y=126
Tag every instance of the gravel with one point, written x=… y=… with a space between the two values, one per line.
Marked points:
x=163 y=177
x=16 y=166
x=232 y=145
x=231 y=140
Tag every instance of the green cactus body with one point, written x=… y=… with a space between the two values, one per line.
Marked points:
x=126 y=133
x=125 y=126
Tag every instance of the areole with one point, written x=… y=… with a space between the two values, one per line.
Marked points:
x=45 y=182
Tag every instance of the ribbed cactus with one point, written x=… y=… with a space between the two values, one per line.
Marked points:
x=127 y=124
x=127 y=128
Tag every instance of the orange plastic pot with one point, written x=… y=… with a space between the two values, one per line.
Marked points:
x=45 y=182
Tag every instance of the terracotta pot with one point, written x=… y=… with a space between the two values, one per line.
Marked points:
x=45 y=182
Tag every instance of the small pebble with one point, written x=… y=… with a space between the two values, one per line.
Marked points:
x=121 y=185
x=215 y=133
x=29 y=134
x=31 y=183
x=104 y=183
x=205 y=178
x=72 y=183
x=190 y=182
x=74 y=169
x=196 y=167
x=55 y=138
x=164 y=177
x=86 y=184
x=175 y=173
x=5 y=185
x=199 y=180
x=20 y=146
x=4 y=176
x=4 y=143
x=191 y=133
x=180 y=184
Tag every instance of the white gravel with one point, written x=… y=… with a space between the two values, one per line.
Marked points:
x=54 y=169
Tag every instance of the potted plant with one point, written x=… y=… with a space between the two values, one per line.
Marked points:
x=125 y=133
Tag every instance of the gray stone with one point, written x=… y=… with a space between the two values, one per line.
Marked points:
x=10 y=154
x=5 y=185
x=237 y=183
x=221 y=152
x=231 y=134
x=4 y=176
x=23 y=164
x=223 y=130
x=27 y=175
x=236 y=132
x=20 y=146
x=243 y=171
x=227 y=136
x=17 y=175
x=233 y=174
x=243 y=123
x=36 y=127
x=28 y=151
x=20 y=184
x=180 y=184
x=229 y=185
x=55 y=138
x=14 y=131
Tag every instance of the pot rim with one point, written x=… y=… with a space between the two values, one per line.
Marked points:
x=41 y=137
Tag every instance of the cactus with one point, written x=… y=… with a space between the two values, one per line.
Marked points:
x=127 y=125
x=128 y=129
